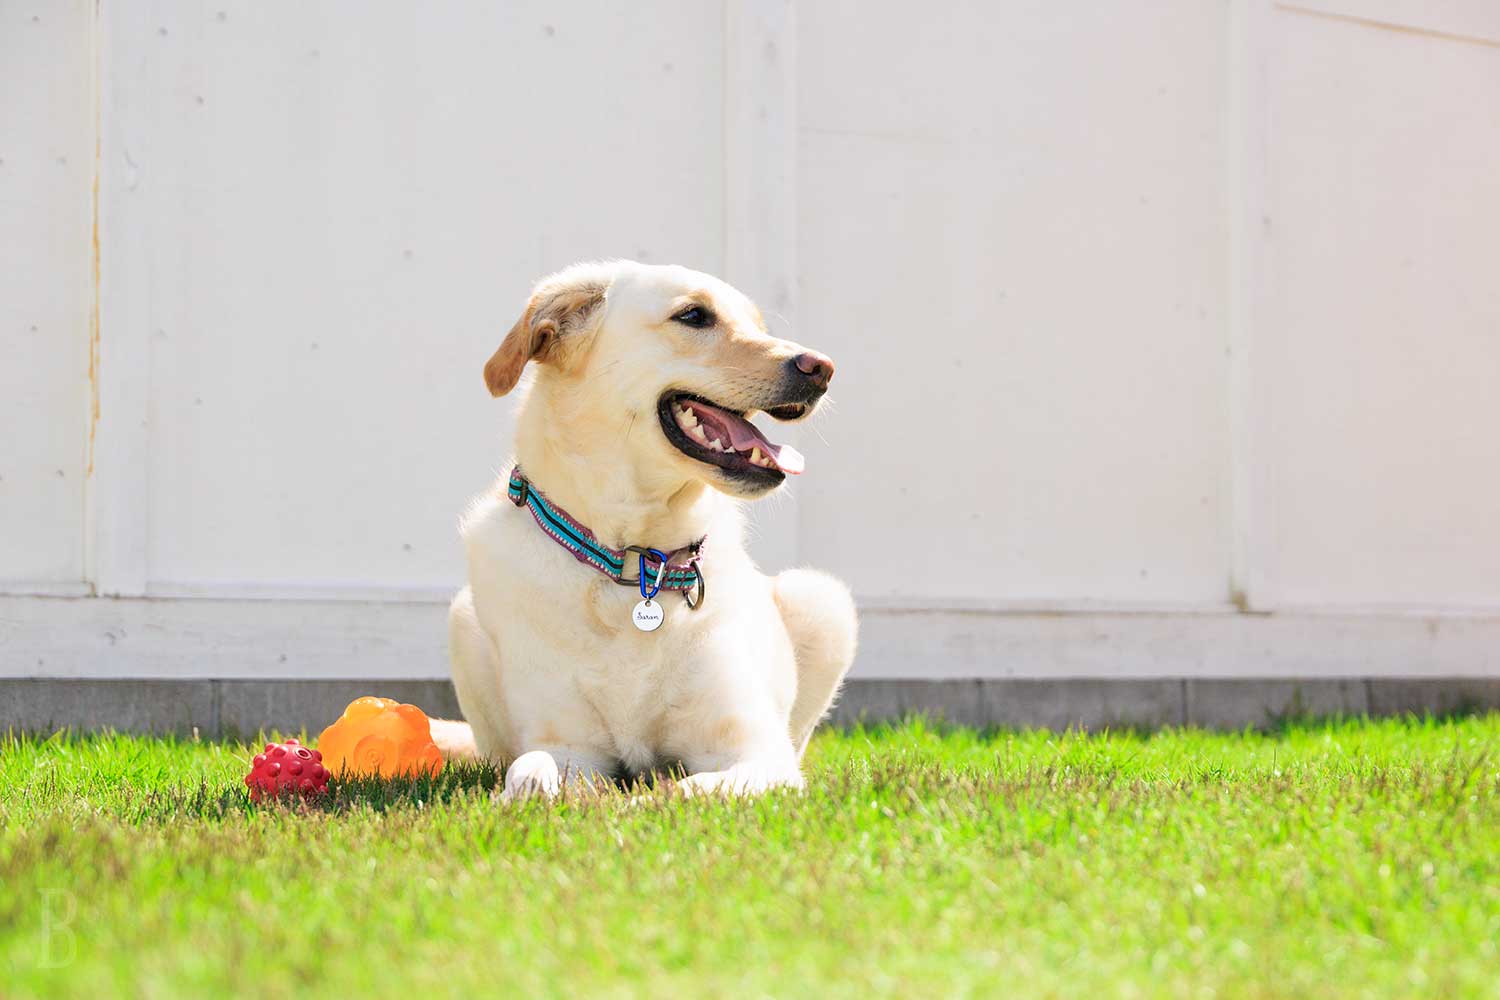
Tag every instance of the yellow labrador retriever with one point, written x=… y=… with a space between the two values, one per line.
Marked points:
x=613 y=622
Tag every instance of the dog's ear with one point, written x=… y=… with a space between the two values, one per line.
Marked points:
x=560 y=308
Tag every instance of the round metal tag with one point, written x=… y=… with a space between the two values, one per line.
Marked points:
x=648 y=616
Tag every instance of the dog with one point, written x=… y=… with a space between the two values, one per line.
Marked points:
x=634 y=452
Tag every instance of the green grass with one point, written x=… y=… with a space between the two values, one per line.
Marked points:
x=1338 y=859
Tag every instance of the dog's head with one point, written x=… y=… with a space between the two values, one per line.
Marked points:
x=666 y=366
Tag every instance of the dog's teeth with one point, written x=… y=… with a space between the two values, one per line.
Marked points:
x=729 y=450
x=691 y=418
x=755 y=455
x=715 y=445
x=696 y=433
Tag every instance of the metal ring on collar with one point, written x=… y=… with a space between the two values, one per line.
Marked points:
x=701 y=586
x=632 y=581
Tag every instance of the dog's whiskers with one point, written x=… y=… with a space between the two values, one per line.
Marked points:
x=601 y=372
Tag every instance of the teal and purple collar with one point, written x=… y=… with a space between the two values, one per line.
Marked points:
x=652 y=564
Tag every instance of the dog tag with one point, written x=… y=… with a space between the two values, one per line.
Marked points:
x=648 y=616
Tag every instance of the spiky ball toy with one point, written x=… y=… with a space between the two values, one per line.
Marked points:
x=285 y=769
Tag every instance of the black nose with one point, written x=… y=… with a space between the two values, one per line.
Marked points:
x=817 y=367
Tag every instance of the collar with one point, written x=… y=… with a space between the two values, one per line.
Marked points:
x=613 y=563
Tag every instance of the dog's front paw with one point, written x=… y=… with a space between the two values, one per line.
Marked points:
x=532 y=774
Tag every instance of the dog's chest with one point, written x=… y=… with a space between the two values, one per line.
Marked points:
x=577 y=670
x=635 y=691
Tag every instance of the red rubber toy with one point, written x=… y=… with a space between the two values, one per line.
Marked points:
x=285 y=769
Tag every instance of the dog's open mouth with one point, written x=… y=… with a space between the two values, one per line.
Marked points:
x=713 y=434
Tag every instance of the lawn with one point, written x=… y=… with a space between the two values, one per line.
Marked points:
x=1340 y=859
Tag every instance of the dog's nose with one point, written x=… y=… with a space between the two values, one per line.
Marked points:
x=817 y=367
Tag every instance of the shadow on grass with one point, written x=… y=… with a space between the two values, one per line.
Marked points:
x=457 y=780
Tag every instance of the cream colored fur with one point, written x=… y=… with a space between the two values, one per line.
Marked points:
x=552 y=677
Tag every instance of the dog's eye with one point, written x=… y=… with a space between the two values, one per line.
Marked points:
x=696 y=317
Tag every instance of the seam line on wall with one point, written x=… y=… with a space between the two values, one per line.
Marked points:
x=88 y=520
x=1404 y=29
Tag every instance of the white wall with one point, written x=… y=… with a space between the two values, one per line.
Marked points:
x=1015 y=238
x=1379 y=347
x=47 y=169
x=1146 y=316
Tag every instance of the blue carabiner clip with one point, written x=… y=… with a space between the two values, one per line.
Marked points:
x=660 y=574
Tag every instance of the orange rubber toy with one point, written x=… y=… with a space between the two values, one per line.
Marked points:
x=380 y=736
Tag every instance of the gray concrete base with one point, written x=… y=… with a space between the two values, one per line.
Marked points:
x=1035 y=704
x=243 y=708
x=214 y=708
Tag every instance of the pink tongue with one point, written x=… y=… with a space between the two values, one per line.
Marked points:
x=744 y=436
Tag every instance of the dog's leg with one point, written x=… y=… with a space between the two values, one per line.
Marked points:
x=744 y=748
x=544 y=773
x=820 y=618
x=455 y=738
x=748 y=777
x=476 y=678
